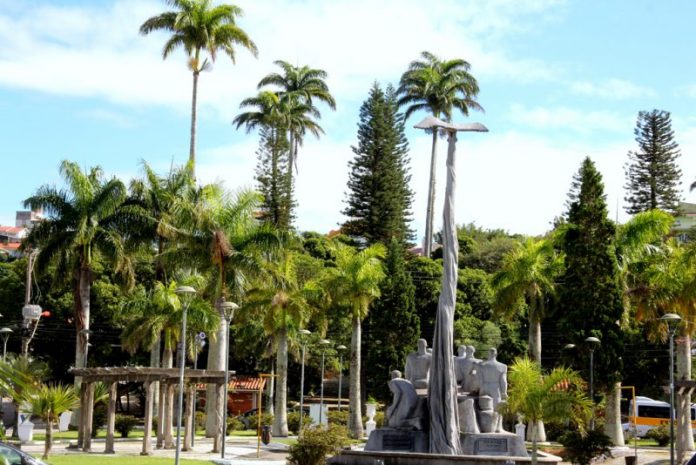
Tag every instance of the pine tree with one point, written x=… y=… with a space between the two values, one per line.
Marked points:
x=273 y=183
x=590 y=294
x=652 y=176
x=379 y=201
x=392 y=327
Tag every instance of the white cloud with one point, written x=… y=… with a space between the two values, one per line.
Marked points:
x=568 y=118
x=613 y=89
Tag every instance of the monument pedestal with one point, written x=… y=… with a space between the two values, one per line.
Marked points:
x=493 y=444
x=396 y=440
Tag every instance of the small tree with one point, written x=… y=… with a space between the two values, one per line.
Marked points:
x=48 y=402
x=556 y=396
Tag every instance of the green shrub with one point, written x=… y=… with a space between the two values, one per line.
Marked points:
x=98 y=419
x=659 y=434
x=125 y=424
x=234 y=424
x=580 y=450
x=154 y=425
x=294 y=421
x=338 y=418
x=200 y=420
x=314 y=444
x=266 y=420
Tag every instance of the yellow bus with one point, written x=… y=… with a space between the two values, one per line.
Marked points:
x=650 y=414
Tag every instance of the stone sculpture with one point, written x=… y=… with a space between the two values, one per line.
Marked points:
x=405 y=411
x=466 y=370
x=418 y=366
x=492 y=379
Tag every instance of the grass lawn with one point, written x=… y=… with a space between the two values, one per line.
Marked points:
x=101 y=460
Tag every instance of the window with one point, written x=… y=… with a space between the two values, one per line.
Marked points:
x=650 y=411
x=9 y=456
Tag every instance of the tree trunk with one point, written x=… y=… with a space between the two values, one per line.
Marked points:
x=270 y=392
x=280 y=419
x=684 y=434
x=612 y=427
x=216 y=361
x=168 y=400
x=48 y=441
x=428 y=240
x=533 y=438
x=82 y=318
x=355 y=425
x=535 y=354
x=194 y=103
x=155 y=363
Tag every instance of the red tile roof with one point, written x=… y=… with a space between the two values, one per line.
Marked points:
x=10 y=246
x=11 y=229
x=247 y=383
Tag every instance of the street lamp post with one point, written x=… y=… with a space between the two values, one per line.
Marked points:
x=227 y=309
x=323 y=343
x=199 y=343
x=592 y=343
x=340 y=349
x=5 y=336
x=186 y=294
x=672 y=320
x=303 y=337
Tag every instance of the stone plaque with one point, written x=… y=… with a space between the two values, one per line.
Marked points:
x=397 y=442
x=490 y=446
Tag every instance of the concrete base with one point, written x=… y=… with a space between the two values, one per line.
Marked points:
x=390 y=439
x=496 y=444
x=354 y=457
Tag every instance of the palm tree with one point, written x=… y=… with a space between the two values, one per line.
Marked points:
x=222 y=238
x=437 y=86
x=200 y=27
x=525 y=281
x=85 y=221
x=538 y=397
x=29 y=372
x=300 y=85
x=284 y=304
x=48 y=402
x=354 y=284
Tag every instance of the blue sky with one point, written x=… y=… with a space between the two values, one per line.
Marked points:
x=559 y=81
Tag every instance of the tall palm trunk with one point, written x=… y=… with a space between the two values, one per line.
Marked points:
x=684 y=439
x=535 y=354
x=613 y=427
x=280 y=419
x=155 y=363
x=430 y=213
x=82 y=316
x=194 y=103
x=355 y=416
x=48 y=440
x=168 y=417
x=216 y=361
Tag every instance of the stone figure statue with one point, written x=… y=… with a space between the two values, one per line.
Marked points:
x=458 y=360
x=404 y=411
x=468 y=366
x=492 y=379
x=418 y=366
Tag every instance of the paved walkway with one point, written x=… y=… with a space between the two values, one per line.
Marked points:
x=238 y=451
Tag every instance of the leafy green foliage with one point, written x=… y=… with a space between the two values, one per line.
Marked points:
x=294 y=421
x=660 y=434
x=653 y=175
x=581 y=449
x=315 y=444
x=125 y=424
x=379 y=198
x=273 y=182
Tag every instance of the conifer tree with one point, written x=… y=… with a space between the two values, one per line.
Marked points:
x=392 y=327
x=590 y=294
x=276 y=187
x=652 y=175
x=379 y=201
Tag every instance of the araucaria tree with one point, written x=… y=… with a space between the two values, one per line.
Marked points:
x=199 y=28
x=438 y=87
x=652 y=175
x=590 y=293
x=273 y=184
x=379 y=200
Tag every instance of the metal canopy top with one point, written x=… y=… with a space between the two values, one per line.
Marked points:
x=431 y=122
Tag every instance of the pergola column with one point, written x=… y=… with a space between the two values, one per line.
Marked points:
x=161 y=407
x=220 y=433
x=149 y=401
x=190 y=424
x=111 y=419
x=88 y=408
x=81 y=421
x=168 y=413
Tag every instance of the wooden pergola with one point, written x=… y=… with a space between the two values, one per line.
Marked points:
x=168 y=379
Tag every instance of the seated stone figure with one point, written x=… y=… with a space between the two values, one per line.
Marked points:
x=418 y=366
x=492 y=378
x=404 y=412
x=467 y=367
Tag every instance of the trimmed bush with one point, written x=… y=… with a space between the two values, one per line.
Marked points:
x=125 y=424
x=580 y=450
x=266 y=420
x=294 y=421
x=338 y=418
x=200 y=420
x=234 y=424
x=314 y=444
x=659 y=434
